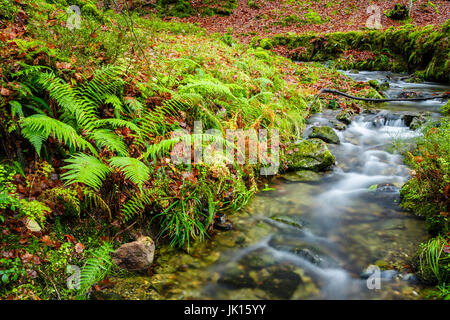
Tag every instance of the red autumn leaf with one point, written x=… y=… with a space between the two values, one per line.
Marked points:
x=418 y=159
x=46 y=240
x=70 y=238
x=79 y=247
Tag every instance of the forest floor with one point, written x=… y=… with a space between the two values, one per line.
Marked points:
x=266 y=18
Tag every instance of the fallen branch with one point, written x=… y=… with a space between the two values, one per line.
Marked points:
x=444 y=96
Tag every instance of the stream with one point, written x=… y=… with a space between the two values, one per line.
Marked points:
x=317 y=239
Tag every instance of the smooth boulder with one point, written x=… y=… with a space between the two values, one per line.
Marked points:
x=135 y=256
x=345 y=117
x=311 y=154
x=325 y=133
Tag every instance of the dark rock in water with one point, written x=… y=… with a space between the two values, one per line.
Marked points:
x=100 y=295
x=257 y=259
x=416 y=123
x=281 y=282
x=386 y=187
x=135 y=256
x=410 y=277
x=414 y=120
x=222 y=223
x=389 y=274
x=311 y=154
x=384 y=274
x=345 y=117
x=325 y=133
x=371 y=111
x=237 y=278
x=338 y=125
x=288 y=220
x=410 y=94
x=309 y=256
x=302 y=176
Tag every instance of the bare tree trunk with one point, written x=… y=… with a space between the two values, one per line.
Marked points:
x=410 y=7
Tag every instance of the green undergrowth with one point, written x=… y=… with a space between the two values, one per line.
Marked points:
x=427 y=194
x=87 y=119
x=184 y=8
x=425 y=50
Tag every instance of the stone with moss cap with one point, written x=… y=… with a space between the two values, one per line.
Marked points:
x=311 y=154
x=325 y=133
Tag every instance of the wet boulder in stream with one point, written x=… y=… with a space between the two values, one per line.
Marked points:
x=325 y=133
x=345 y=117
x=414 y=120
x=311 y=154
x=302 y=176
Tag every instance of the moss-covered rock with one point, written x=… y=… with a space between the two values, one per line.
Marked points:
x=281 y=281
x=406 y=48
x=302 y=176
x=312 y=154
x=291 y=221
x=345 y=117
x=325 y=133
x=237 y=277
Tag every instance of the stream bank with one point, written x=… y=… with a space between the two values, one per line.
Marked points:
x=314 y=239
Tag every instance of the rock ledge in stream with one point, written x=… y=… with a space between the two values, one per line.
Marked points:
x=312 y=154
x=302 y=176
x=325 y=133
x=135 y=256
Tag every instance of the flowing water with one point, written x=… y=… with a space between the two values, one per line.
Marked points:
x=316 y=240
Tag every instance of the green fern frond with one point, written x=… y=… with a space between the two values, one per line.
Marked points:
x=117 y=123
x=106 y=82
x=116 y=104
x=36 y=138
x=94 y=201
x=209 y=87
x=134 y=105
x=85 y=169
x=136 y=205
x=110 y=140
x=165 y=146
x=38 y=127
x=133 y=169
x=96 y=267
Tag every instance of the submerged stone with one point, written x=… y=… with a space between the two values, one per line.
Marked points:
x=281 y=281
x=237 y=277
x=325 y=133
x=312 y=154
x=288 y=220
x=302 y=176
x=258 y=259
